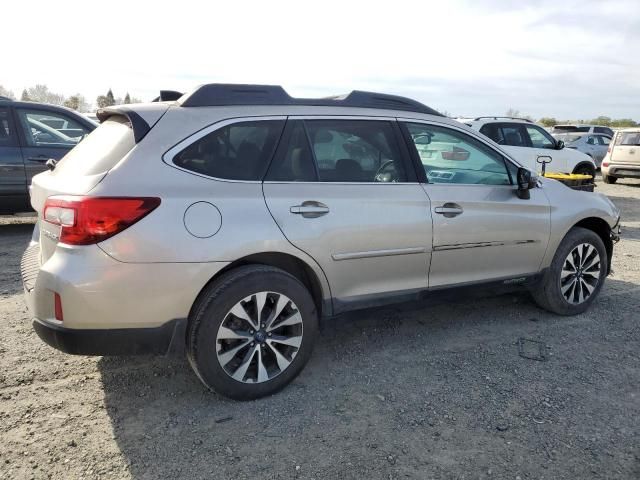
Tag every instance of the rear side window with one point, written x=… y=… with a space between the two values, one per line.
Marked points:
x=100 y=151
x=7 y=135
x=239 y=151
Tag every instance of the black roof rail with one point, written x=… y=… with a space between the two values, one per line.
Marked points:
x=167 y=96
x=219 y=94
x=499 y=117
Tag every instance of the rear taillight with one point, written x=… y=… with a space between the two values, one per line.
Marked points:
x=87 y=220
x=605 y=164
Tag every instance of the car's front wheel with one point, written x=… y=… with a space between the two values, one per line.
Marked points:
x=576 y=274
x=251 y=332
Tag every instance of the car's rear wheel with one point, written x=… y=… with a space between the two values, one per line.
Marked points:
x=609 y=179
x=576 y=274
x=251 y=332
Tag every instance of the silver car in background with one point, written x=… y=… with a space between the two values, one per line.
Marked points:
x=229 y=221
x=594 y=145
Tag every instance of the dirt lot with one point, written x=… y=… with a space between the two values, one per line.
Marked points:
x=407 y=392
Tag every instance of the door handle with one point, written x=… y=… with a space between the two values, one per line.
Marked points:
x=39 y=158
x=449 y=210
x=310 y=209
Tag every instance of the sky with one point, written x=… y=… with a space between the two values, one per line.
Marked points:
x=569 y=59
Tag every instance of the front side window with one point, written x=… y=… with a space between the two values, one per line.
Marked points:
x=355 y=151
x=239 y=151
x=539 y=138
x=7 y=135
x=48 y=129
x=591 y=140
x=451 y=156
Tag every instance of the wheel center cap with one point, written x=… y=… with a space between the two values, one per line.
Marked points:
x=260 y=336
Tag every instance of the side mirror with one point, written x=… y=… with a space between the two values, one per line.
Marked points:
x=525 y=183
x=559 y=144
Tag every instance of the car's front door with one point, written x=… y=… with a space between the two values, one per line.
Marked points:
x=545 y=145
x=343 y=191
x=46 y=135
x=13 y=186
x=481 y=230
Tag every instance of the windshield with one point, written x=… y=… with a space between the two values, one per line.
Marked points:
x=99 y=151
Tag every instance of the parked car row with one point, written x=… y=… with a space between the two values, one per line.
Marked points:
x=30 y=135
x=238 y=216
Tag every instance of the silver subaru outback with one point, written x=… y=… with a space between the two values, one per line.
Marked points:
x=227 y=221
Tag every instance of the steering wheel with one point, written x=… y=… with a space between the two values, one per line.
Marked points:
x=382 y=176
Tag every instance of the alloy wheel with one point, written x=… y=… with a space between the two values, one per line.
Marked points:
x=259 y=337
x=580 y=273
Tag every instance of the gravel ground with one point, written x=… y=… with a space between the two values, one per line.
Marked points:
x=414 y=391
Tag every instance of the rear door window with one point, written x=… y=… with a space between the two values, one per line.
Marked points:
x=512 y=135
x=602 y=140
x=355 y=151
x=50 y=129
x=238 y=151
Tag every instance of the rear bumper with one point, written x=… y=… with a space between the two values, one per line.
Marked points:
x=167 y=338
x=623 y=170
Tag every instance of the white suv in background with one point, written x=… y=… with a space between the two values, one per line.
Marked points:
x=527 y=141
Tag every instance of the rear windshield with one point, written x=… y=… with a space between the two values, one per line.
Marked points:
x=100 y=150
x=628 y=138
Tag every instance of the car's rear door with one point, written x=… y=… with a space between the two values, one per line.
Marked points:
x=46 y=134
x=481 y=230
x=342 y=190
x=13 y=186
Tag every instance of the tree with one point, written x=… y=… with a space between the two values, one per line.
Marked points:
x=41 y=93
x=106 y=100
x=127 y=99
x=548 y=121
x=6 y=93
x=25 y=96
x=77 y=102
x=135 y=100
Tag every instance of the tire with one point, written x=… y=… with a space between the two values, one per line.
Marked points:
x=609 y=179
x=222 y=343
x=549 y=295
x=585 y=170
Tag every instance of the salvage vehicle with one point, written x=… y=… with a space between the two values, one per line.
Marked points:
x=229 y=221
x=526 y=141
x=582 y=128
x=623 y=156
x=30 y=135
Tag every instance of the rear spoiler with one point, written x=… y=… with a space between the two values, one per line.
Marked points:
x=141 y=116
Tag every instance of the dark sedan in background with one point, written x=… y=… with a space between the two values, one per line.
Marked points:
x=30 y=134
